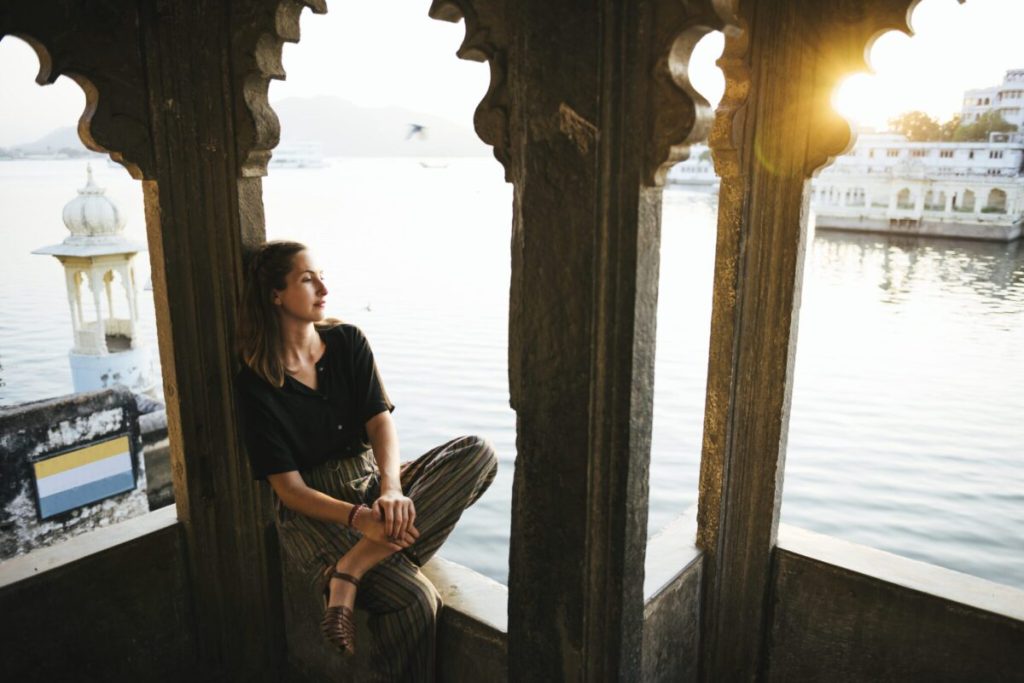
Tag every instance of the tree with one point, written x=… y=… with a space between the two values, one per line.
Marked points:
x=917 y=126
x=949 y=128
x=989 y=122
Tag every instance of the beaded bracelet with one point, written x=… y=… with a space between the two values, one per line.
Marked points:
x=353 y=513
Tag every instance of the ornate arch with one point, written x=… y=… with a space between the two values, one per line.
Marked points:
x=679 y=115
x=260 y=31
x=102 y=55
x=486 y=40
x=839 y=33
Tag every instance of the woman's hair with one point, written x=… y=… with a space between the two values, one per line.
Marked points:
x=259 y=329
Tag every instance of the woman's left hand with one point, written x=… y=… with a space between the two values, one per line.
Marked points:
x=398 y=512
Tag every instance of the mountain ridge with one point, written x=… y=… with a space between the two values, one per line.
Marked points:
x=339 y=128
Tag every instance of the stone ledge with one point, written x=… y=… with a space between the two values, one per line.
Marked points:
x=95 y=541
x=670 y=553
x=472 y=594
x=946 y=584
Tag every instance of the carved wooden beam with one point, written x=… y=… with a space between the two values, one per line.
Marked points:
x=97 y=46
x=774 y=127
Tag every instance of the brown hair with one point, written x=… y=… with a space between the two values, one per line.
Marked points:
x=259 y=329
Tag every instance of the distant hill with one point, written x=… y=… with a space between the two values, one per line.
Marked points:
x=346 y=129
x=57 y=140
x=339 y=127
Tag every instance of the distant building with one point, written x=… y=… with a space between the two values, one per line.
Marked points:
x=99 y=274
x=887 y=184
x=946 y=189
x=1007 y=98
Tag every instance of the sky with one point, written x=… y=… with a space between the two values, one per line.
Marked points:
x=391 y=53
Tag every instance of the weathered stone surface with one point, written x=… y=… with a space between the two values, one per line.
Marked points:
x=120 y=613
x=671 y=646
x=939 y=626
x=774 y=127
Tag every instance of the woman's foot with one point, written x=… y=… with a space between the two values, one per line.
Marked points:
x=338 y=624
x=342 y=593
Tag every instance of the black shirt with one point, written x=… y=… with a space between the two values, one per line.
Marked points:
x=297 y=428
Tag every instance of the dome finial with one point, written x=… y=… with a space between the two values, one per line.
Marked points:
x=90 y=183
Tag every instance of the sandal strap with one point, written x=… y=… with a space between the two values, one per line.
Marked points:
x=335 y=574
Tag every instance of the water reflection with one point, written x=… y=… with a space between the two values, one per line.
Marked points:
x=992 y=271
x=905 y=426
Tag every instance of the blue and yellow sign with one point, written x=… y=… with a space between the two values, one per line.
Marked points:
x=85 y=475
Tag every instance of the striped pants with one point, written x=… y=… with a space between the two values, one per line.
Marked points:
x=401 y=601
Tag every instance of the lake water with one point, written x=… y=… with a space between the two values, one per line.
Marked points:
x=906 y=430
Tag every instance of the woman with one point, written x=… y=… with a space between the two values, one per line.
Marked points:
x=317 y=424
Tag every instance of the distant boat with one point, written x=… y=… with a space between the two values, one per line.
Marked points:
x=298 y=155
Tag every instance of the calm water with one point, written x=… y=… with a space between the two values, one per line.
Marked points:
x=906 y=430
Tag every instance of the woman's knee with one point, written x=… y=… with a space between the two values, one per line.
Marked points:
x=483 y=454
x=424 y=601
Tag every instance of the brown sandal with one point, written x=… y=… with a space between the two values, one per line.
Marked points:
x=338 y=625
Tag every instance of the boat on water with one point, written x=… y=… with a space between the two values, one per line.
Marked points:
x=298 y=155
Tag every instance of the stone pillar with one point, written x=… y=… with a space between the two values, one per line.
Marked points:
x=100 y=332
x=948 y=209
x=127 y=282
x=74 y=302
x=774 y=127
x=78 y=300
x=108 y=277
x=196 y=243
x=586 y=118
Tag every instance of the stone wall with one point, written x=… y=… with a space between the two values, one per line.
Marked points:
x=31 y=432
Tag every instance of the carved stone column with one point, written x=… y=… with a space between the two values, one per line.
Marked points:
x=774 y=128
x=163 y=82
x=598 y=104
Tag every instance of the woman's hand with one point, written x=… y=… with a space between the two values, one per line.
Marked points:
x=370 y=523
x=397 y=511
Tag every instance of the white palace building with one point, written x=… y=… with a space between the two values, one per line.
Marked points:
x=949 y=189
x=885 y=183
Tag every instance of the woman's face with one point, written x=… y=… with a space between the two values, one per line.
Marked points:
x=304 y=296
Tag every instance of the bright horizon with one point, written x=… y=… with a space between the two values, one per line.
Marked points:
x=927 y=72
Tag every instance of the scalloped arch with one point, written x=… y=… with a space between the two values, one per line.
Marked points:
x=48 y=75
x=680 y=115
x=485 y=40
x=263 y=29
x=844 y=32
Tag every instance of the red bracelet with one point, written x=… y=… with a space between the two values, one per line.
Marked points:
x=353 y=513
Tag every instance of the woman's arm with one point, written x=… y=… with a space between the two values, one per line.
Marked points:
x=296 y=496
x=398 y=511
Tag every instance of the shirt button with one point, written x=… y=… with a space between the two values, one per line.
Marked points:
x=339 y=427
x=320 y=369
